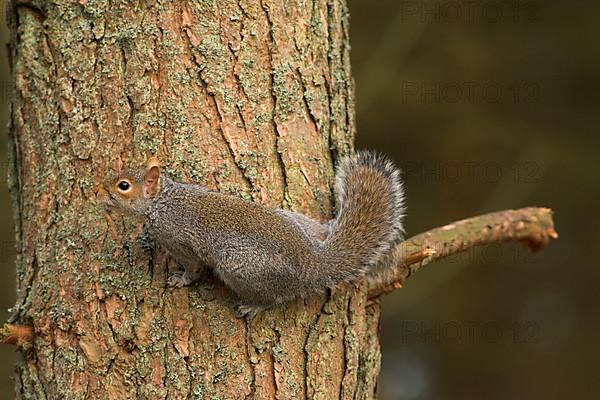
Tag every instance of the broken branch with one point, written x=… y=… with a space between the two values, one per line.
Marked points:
x=532 y=226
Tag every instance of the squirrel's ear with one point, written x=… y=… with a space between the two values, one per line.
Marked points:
x=152 y=162
x=152 y=177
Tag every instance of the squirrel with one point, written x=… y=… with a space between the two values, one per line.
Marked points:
x=267 y=256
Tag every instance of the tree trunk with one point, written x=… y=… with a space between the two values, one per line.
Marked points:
x=249 y=97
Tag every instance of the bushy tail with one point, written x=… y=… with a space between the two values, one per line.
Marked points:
x=370 y=201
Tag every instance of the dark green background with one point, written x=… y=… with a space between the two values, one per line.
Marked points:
x=486 y=105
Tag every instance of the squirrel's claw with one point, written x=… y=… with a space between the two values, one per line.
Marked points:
x=248 y=311
x=178 y=279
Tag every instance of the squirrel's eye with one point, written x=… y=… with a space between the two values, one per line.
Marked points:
x=124 y=185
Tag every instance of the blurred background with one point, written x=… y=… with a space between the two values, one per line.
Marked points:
x=486 y=106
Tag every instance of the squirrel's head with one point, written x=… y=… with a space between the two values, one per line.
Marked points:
x=132 y=191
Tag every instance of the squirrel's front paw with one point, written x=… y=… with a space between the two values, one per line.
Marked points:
x=178 y=279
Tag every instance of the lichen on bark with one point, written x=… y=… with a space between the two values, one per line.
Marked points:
x=253 y=98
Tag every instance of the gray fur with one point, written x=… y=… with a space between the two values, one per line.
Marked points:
x=272 y=256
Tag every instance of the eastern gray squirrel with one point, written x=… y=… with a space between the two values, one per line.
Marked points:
x=267 y=256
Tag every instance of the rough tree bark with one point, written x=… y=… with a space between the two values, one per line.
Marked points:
x=253 y=97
